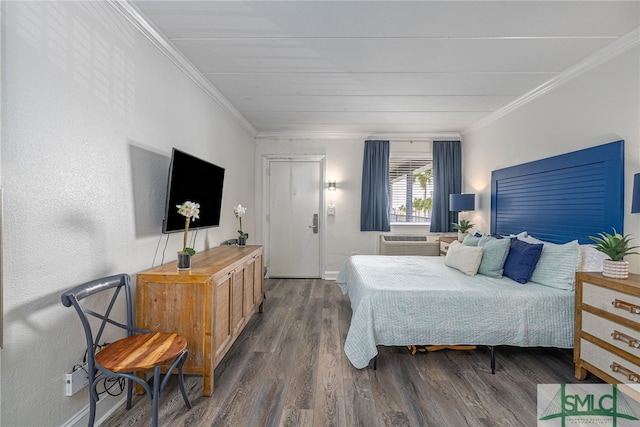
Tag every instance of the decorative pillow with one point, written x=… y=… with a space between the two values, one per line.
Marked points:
x=590 y=258
x=464 y=258
x=487 y=238
x=494 y=254
x=520 y=235
x=471 y=239
x=522 y=260
x=557 y=264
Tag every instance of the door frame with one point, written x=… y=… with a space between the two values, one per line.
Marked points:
x=322 y=219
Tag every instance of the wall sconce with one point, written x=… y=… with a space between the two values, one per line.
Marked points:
x=462 y=202
x=332 y=186
x=635 y=201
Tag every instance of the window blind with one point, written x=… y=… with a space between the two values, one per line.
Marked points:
x=410 y=189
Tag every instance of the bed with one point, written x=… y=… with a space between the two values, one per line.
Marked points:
x=406 y=300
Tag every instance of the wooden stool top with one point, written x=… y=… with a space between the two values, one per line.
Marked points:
x=140 y=352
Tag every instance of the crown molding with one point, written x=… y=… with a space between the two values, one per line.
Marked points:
x=424 y=136
x=618 y=47
x=310 y=135
x=144 y=27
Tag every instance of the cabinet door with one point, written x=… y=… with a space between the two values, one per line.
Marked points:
x=184 y=303
x=248 y=286
x=237 y=301
x=223 y=314
x=257 y=279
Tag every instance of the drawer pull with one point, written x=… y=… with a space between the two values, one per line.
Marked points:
x=632 y=308
x=631 y=376
x=625 y=339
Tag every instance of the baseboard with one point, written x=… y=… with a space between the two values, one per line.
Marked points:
x=331 y=275
x=106 y=406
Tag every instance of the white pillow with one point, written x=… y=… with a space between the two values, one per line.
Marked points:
x=464 y=258
x=521 y=235
x=591 y=259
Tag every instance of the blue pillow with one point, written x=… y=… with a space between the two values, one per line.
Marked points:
x=522 y=260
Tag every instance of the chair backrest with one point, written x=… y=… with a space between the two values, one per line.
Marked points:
x=73 y=297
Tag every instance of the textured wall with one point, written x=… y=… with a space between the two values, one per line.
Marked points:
x=91 y=111
x=600 y=106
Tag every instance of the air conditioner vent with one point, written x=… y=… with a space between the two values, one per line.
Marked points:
x=405 y=238
x=408 y=245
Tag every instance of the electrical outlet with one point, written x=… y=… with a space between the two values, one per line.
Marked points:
x=76 y=380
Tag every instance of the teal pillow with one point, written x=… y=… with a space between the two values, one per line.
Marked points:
x=494 y=254
x=557 y=264
x=471 y=240
x=488 y=237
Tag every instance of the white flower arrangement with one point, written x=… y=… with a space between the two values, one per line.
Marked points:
x=191 y=211
x=239 y=211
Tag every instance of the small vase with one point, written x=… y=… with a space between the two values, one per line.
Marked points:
x=461 y=236
x=615 y=269
x=242 y=241
x=184 y=261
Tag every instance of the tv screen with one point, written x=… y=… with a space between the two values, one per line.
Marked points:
x=198 y=181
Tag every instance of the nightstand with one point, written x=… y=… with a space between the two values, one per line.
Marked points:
x=607 y=328
x=445 y=241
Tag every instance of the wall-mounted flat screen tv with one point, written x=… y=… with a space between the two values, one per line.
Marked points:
x=198 y=181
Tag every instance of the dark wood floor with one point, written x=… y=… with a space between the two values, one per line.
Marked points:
x=288 y=369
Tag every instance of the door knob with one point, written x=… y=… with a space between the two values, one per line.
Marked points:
x=315 y=224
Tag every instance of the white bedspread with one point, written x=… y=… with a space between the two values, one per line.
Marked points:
x=419 y=300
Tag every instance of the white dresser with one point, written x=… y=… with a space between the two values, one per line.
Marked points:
x=607 y=328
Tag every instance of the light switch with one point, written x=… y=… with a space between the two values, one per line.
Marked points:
x=331 y=210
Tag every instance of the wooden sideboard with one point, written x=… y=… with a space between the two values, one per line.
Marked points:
x=607 y=328
x=209 y=305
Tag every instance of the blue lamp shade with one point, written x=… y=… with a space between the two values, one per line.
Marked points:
x=462 y=202
x=635 y=202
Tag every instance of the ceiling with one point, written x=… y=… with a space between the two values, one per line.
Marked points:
x=383 y=67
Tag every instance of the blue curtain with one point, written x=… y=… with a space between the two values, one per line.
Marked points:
x=447 y=179
x=374 y=207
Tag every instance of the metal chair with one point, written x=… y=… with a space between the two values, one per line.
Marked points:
x=139 y=351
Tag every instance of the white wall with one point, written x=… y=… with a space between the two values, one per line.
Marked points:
x=600 y=106
x=90 y=113
x=343 y=162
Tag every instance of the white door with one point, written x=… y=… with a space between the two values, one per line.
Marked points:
x=294 y=218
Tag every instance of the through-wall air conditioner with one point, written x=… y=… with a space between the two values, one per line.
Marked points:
x=408 y=245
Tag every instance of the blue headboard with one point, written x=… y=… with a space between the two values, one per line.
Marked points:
x=561 y=198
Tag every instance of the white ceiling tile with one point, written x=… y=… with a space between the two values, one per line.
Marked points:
x=332 y=55
x=336 y=103
x=259 y=84
x=384 y=66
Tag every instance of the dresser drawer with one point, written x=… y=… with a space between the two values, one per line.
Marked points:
x=607 y=362
x=624 y=338
x=612 y=301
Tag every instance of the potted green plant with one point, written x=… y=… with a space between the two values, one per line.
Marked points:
x=616 y=247
x=462 y=226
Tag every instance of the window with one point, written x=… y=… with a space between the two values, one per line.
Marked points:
x=410 y=189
